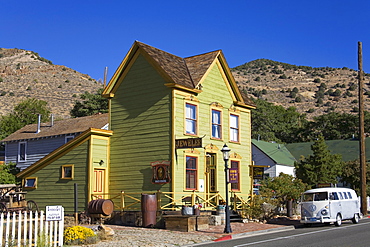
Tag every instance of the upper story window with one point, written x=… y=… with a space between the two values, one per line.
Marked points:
x=22 y=151
x=234 y=128
x=69 y=138
x=191 y=119
x=216 y=124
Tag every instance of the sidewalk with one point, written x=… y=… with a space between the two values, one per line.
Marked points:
x=138 y=236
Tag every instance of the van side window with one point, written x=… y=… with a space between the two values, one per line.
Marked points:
x=340 y=195
x=345 y=195
x=334 y=196
x=349 y=195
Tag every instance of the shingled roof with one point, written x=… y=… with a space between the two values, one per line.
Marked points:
x=186 y=72
x=68 y=126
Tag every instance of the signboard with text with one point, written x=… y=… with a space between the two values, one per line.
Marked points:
x=188 y=143
x=54 y=213
x=233 y=175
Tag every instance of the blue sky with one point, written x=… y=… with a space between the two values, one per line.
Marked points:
x=90 y=35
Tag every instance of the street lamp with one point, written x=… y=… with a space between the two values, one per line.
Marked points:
x=225 y=151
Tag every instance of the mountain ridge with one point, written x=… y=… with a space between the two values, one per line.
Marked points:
x=25 y=74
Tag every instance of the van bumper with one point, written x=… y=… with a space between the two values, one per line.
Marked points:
x=310 y=220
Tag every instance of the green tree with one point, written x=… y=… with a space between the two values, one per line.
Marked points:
x=321 y=166
x=283 y=188
x=275 y=123
x=7 y=173
x=351 y=175
x=91 y=104
x=23 y=114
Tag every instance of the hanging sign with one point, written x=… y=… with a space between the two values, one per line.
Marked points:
x=233 y=175
x=258 y=172
x=188 y=143
x=160 y=172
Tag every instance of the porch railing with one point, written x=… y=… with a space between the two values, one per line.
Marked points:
x=131 y=201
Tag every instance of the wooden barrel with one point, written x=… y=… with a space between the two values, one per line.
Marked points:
x=100 y=206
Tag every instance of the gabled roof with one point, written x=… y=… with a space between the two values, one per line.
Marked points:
x=184 y=73
x=349 y=149
x=62 y=127
x=277 y=152
x=57 y=153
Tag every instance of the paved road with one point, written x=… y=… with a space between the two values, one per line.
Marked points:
x=319 y=235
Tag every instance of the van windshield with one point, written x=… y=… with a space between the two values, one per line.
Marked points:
x=318 y=196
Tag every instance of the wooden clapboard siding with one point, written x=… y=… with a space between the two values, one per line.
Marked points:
x=49 y=179
x=214 y=89
x=140 y=120
x=36 y=149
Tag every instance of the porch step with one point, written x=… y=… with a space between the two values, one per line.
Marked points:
x=235 y=217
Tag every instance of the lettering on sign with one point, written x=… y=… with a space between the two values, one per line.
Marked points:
x=233 y=175
x=54 y=213
x=160 y=172
x=188 y=143
x=258 y=172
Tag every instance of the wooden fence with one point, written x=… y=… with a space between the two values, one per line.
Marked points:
x=29 y=229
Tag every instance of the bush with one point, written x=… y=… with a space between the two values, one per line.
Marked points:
x=79 y=235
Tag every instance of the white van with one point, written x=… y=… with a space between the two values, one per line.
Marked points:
x=326 y=205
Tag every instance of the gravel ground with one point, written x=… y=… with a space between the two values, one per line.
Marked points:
x=138 y=236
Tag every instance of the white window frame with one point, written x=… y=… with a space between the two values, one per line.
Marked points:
x=217 y=125
x=24 y=150
x=68 y=138
x=234 y=130
x=191 y=124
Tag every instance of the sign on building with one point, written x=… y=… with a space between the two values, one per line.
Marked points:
x=54 y=213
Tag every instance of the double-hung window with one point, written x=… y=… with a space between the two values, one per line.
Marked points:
x=234 y=128
x=191 y=119
x=216 y=124
x=191 y=173
x=22 y=148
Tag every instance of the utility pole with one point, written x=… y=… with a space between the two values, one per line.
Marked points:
x=362 y=132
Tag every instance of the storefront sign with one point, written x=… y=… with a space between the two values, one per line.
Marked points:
x=233 y=175
x=258 y=172
x=188 y=143
x=160 y=172
x=54 y=213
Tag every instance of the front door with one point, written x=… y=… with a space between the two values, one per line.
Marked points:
x=99 y=183
x=211 y=175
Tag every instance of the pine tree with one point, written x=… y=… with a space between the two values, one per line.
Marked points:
x=321 y=166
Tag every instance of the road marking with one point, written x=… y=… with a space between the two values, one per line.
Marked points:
x=301 y=234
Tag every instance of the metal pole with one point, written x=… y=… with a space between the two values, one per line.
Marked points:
x=362 y=133
x=227 y=212
x=76 y=203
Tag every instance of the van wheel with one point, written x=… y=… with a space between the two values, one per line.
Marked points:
x=355 y=219
x=338 y=221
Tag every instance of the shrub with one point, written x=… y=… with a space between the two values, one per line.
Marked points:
x=79 y=235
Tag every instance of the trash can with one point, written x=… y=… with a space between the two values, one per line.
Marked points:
x=221 y=212
x=149 y=210
x=289 y=208
x=185 y=210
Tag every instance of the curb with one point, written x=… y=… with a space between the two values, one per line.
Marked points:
x=246 y=234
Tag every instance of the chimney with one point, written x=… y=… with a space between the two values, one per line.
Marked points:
x=51 y=120
x=38 y=124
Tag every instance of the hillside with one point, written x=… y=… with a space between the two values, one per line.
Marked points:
x=25 y=74
x=314 y=91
